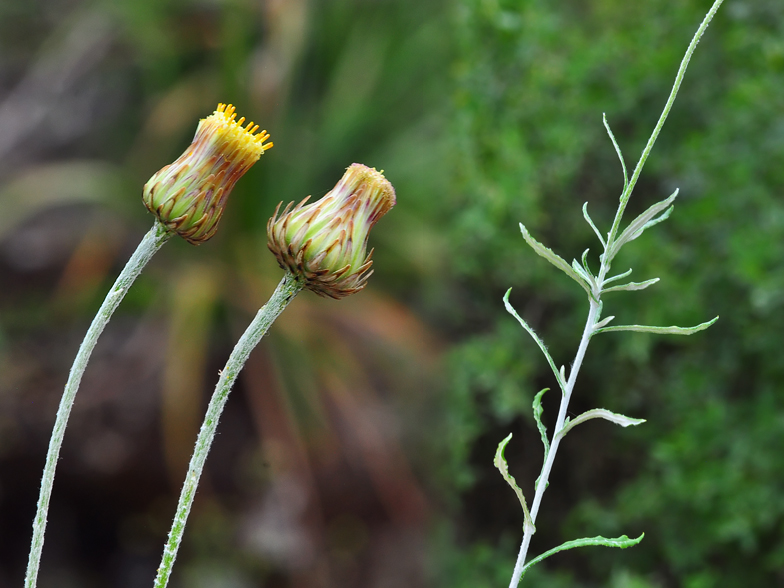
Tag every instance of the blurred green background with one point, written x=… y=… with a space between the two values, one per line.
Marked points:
x=357 y=448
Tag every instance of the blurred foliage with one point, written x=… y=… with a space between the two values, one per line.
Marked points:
x=347 y=455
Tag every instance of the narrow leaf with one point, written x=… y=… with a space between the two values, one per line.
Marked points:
x=664 y=216
x=619 y=276
x=593 y=226
x=600 y=413
x=554 y=258
x=622 y=542
x=582 y=272
x=638 y=225
x=617 y=150
x=538 y=410
x=602 y=323
x=500 y=463
x=510 y=309
x=586 y=268
x=660 y=330
x=631 y=286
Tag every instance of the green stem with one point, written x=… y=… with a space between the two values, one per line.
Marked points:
x=670 y=101
x=530 y=529
x=151 y=243
x=288 y=288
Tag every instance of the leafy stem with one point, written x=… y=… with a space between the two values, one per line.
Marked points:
x=629 y=187
x=595 y=287
x=529 y=529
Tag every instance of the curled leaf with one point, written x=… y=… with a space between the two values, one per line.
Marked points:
x=538 y=410
x=592 y=225
x=586 y=268
x=500 y=463
x=619 y=276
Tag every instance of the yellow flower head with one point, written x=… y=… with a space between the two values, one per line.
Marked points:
x=189 y=195
x=324 y=243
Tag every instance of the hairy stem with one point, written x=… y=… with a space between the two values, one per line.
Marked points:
x=593 y=316
x=288 y=288
x=150 y=244
x=594 y=301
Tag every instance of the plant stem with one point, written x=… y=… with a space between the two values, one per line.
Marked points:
x=593 y=317
x=149 y=245
x=288 y=288
x=655 y=134
x=595 y=305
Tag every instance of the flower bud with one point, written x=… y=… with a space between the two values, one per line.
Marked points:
x=189 y=195
x=324 y=243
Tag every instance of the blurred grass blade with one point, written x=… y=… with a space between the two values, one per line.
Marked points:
x=48 y=185
x=194 y=292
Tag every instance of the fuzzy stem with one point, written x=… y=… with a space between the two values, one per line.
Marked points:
x=593 y=317
x=150 y=244
x=655 y=134
x=288 y=288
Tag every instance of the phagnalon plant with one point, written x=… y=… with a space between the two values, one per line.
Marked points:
x=188 y=198
x=595 y=285
x=326 y=242
x=321 y=247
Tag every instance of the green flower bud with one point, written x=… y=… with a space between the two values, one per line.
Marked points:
x=324 y=243
x=189 y=195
